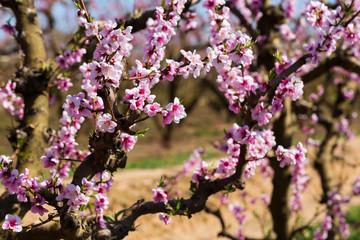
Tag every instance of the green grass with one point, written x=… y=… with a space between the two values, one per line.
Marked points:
x=353 y=219
x=171 y=160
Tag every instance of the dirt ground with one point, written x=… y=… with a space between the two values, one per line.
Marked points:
x=205 y=226
x=132 y=185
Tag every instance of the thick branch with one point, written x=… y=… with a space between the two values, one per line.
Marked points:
x=350 y=64
x=188 y=206
x=293 y=68
x=347 y=62
x=48 y=231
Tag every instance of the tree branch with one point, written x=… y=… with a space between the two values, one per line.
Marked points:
x=218 y=215
x=347 y=62
x=293 y=68
x=187 y=206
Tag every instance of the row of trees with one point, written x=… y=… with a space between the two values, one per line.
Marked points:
x=256 y=59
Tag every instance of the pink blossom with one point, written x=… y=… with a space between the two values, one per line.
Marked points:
x=169 y=72
x=12 y=222
x=159 y=195
x=33 y=184
x=286 y=32
x=349 y=94
x=11 y=179
x=239 y=212
x=48 y=160
x=261 y=114
x=265 y=198
x=250 y=168
x=194 y=160
x=193 y=64
x=77 y=106
x=288 y=6
x=165 y=218
x=356 y=187
x=128 y=141
x=74 y=195
x=225 y=198
x=92 y=28
x=101 y=201
x=211 y=4
x=10 y=101
x=152 y=109
x=5 y=160
x=174 y=112
x=86 y=185
x=105 y=123
x=69 y=57
x=39 y=209
x=292 y=87
x=63 y=83
x=201 y=173
x=226 y=166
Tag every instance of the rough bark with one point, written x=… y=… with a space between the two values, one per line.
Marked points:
x=32 y=84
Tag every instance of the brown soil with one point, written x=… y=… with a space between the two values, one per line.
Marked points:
x=132 y=185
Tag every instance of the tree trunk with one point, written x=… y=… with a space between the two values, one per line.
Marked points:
x=29 y=138
x=279 y=206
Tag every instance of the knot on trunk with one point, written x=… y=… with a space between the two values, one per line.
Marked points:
x=31 y=80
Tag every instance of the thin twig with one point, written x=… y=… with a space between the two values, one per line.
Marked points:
x=50 y=218
x=218 y=215
x=70 y=160
x=142 y=119
x=307 y=225
x=88 y=18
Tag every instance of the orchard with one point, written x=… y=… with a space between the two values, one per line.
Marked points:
x=286 y=73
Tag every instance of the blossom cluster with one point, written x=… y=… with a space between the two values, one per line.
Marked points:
x=356 y=187
x=69 y=58
x=296 y=158
x=21 y=183
x=289 y=87
x=63 y=146
x=194 y=160
x=149 y=73
x=343 y=127
x=73 y=195
x=100 y=185
x=326 y=23
x=240 y=213
x=10 y=101
x=161 y=195
x=63 y=83
x=335 y=204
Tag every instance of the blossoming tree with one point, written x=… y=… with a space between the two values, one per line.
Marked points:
x=258 y=82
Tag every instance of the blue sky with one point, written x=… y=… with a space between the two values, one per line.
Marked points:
x=66 y=20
